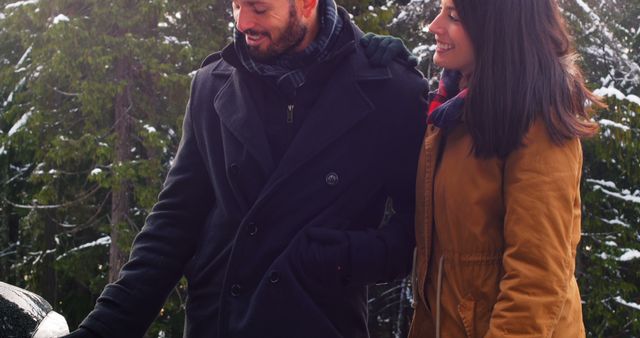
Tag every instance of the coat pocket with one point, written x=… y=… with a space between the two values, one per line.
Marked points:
x=466 y=310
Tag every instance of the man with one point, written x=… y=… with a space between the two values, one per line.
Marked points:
x=292 y=144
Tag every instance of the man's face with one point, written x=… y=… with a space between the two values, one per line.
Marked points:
x=271 y=27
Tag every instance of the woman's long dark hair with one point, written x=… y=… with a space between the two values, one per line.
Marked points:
x=525 y=68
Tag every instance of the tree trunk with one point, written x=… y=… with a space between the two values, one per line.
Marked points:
x=120 y=195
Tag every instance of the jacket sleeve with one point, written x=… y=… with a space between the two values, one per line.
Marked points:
x=386 y=253
x=161 y=250
x=542 y=210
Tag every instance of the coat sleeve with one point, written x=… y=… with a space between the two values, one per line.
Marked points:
x=386 y=253
x=541 y=230
x=161 y=250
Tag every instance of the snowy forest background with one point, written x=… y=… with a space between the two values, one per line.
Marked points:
x=92 y=95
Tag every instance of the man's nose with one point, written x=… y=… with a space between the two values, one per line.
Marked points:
x=244 y=20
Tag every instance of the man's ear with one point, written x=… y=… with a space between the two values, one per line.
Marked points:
x=308 y=7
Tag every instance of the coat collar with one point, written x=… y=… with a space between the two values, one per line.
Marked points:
x=339 y=107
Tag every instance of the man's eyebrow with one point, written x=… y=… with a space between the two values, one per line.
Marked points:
x=253 y=2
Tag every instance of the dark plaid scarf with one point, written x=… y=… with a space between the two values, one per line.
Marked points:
x=290 y=70
x=446 y=104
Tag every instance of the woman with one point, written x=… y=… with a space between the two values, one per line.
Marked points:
x=498 y=213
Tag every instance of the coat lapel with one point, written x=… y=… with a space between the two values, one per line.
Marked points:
x=338 y=109
x=239 y=113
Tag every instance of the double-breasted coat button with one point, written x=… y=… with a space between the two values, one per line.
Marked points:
x=234 y=169
x=274 y=278
x=235 y=290
x=332 y=178
x=252 y=227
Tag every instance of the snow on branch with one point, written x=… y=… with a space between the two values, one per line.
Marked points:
x=20 y=123
x=20 y=4
x=105 y=240
x=609 y=123
x=60 y=18
x=624 y=195
x=54 y=206
x=614 y=92
x=625 y=303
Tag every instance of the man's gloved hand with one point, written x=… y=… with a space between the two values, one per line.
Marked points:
x=381 y=49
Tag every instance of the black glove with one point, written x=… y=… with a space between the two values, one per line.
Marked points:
x=381 y=49
x=323 y=255
x=81 y=333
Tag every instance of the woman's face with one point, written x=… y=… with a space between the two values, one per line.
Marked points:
x=454 y=49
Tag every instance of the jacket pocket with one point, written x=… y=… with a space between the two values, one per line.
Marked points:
x=466 y=310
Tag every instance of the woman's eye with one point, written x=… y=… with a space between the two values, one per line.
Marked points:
x=454 y=16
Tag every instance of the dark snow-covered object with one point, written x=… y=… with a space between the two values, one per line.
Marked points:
x=24 y=314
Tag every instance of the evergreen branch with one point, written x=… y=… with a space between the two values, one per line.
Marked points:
x=65 y=93
x=91 y=220
x=53 y=206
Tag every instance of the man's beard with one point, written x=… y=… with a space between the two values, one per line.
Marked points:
x=289 y=40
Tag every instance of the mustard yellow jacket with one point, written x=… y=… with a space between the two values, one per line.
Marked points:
x=496 y=239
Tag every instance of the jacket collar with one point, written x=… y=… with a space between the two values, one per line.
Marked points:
x=337 y=110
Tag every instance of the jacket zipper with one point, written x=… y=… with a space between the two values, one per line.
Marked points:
x=290 y=113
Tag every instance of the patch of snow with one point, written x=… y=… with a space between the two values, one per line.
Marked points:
x=21 y=123
x=629 y=304
x=616 y=221
x=106 y=240
x=609 y=123
x=53 y=325
x=630 y=254
x=624 y=195
x=8 y=100
x=174 y=40
x=603 y=183
x=149 y=128
x=20 y=3
x=614 y=92
x=60 y=18
x=24 y=56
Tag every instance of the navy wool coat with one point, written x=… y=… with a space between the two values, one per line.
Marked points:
x=279 y=249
